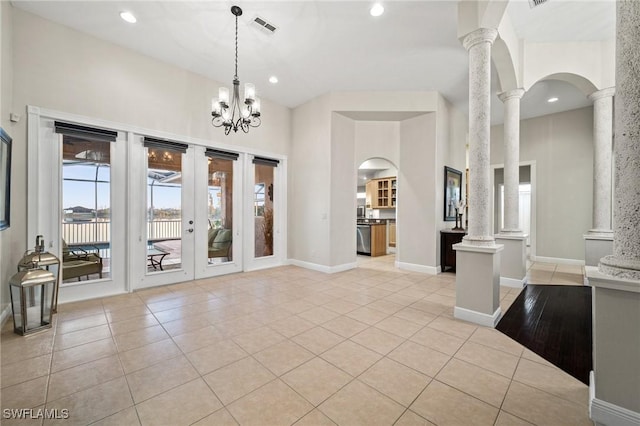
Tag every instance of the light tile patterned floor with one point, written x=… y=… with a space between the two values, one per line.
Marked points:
x=370 y=346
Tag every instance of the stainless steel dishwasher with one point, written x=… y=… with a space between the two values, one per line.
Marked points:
x=363 y=239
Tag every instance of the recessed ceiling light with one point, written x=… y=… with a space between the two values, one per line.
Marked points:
x=128 y=16
x=376 y=10
x=552 y=100
x=273 y=79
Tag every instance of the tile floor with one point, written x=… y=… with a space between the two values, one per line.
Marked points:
x=370 y=346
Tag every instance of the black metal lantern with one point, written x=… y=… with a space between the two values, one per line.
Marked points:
x=32 y=297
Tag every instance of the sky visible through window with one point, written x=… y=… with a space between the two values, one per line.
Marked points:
x=82 y=193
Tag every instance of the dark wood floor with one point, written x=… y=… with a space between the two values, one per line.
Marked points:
x=554 y=321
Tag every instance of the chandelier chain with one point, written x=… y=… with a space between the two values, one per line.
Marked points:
x=236 y=73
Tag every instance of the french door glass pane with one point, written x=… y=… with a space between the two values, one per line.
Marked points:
x=86 y=204
x=220 y=211
x=263 y=210
x=164 y=210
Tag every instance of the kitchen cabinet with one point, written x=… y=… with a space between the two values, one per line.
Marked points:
x=369 y=194
x=378 y=239
x=392 y=234
x=381 y=193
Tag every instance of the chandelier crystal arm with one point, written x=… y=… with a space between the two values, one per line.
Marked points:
x=225 y=109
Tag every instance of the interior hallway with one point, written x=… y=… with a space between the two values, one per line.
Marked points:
x=374 y=345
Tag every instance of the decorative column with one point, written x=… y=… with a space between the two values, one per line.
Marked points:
x=513 y=268
x=599 y=240
x=615 y=380
x=478 y=43
x=478 y=256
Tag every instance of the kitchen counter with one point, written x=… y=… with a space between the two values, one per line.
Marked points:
x=363 y=221
x=372 y=240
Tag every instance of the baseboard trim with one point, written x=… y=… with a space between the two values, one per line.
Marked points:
x=606 y=413
x=323 y=268
x=4 y=315
x=513 y=282
x=478 y=317
x=560 y=260
x=431 y=270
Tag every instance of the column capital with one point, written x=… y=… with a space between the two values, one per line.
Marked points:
x=510 y=94
x=604 y=93
x=480 y=35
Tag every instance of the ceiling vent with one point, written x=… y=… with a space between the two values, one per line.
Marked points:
x=534 y=3
x=267 y=27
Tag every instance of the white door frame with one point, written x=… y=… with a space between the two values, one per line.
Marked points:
x=533 y=237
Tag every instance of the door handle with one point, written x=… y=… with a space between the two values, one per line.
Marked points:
x=190 y=230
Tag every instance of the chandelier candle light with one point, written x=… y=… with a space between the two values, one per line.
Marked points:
x=224 y=113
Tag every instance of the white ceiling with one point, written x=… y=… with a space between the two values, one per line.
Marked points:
x=584 y=20
x=323 y=46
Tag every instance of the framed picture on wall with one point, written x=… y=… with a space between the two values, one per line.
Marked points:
x=5 y=178
x=452 y=192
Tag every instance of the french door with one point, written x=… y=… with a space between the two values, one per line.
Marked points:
x=185 y=223
x=125 y=211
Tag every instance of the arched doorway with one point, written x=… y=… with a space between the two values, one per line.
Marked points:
x=376 y=207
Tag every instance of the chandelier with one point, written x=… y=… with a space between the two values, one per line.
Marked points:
x=234 y=116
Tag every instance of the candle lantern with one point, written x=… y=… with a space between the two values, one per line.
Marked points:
x=39 y=258
x=32 y=296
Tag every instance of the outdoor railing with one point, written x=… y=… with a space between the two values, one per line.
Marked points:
x=100 y=232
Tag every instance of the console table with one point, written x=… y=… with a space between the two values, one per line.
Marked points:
x=449 y=237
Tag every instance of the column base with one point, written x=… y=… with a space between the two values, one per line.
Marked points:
x=513 y=262
x=478 y=283
x=604 y=413
x=479 y=241
x=597 y=244
x=616 y=349
x=620 y=268
x=478 y=317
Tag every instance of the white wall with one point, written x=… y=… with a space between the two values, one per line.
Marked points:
x=343 y=200
x=8 y=260
x=562 y=146
x=593 y=60
x=309 y=182
x=329 y=147
x=451 y=131
x=417 y=179
x=379 y=139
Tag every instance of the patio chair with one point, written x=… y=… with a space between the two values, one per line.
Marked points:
x=77 y=263
x=220 y=240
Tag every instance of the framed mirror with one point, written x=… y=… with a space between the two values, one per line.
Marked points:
x=452 y=192
x=5 y=179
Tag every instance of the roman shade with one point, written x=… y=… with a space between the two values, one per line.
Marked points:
x=167 y=145
x=224 y=155
x=85 y=132
x=266 y=161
